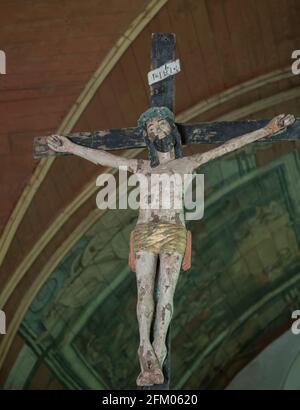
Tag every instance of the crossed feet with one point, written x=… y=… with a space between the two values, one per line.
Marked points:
x=151 y=361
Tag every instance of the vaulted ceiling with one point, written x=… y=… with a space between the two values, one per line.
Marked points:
x=81 y=66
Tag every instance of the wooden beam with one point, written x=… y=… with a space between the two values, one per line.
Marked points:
x=113 y=139
x=222 y=131
x=163 y=51
x=202 y=133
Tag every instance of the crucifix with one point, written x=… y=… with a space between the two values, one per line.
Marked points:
x=160 y=245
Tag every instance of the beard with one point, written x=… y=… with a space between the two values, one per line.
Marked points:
x=164 y=144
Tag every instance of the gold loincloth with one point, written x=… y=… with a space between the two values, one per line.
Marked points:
x=159 y=237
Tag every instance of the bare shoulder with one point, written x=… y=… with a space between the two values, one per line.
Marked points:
x=183 y=165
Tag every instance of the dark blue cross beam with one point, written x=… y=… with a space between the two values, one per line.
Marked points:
x=202 y=133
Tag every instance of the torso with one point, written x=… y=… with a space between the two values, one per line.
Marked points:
x=168 y=208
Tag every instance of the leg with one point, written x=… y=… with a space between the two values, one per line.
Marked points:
x=146 y=265
x=170 y=264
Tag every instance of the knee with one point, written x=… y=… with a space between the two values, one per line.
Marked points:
x=145 y=310
x=145 y=293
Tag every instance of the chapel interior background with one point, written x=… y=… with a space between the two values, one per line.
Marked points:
x=65 y=286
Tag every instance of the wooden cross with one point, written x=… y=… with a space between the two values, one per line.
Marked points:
x=162 y=94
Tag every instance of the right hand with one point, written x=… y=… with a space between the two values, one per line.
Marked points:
x=279 y=123
x=59 y=143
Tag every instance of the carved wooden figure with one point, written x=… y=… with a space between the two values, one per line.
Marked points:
x=160 y=238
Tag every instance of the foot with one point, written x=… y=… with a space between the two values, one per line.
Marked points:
x=150 y=377
x=151 y=372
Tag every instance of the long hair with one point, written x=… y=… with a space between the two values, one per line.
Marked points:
x=177 y=140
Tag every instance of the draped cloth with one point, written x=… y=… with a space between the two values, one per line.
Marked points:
x=158 y=238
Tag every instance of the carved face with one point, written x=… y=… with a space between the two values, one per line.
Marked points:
x=159 y=131
x=158 y=128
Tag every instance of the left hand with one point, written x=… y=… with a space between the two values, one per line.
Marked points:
x=59 y=143
x=279 y=123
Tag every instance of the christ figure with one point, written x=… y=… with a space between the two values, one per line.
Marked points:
x=160 y=232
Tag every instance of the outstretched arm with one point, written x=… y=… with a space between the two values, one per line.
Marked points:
x=276 y=124
x=63 y=144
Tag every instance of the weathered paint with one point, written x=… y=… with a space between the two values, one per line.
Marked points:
x=203 y=133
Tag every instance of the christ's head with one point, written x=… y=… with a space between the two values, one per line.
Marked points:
x=161 y=135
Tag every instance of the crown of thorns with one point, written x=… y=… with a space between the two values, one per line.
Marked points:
x=154 y=112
